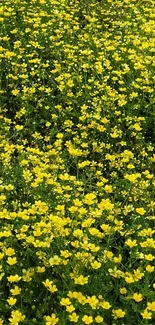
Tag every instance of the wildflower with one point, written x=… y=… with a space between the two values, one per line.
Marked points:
x=11 y=301
x=131 y=243
x=66 y=140
x=137 y=297
x=70 y=83
x=96 y=265
x=87 y=319
x=16 y=317
x=117 y=259
x=15 y=291
x=92 y=301
x=105 y=304
x=11 y=260
x=141 y=211
x=118 y=313
x=81 y=280
x=78 y=233
x=137 y=127
x=132 y=177
x=9 y=251
x=1 y=256
x=54 y=260
x=108 y=188
x=105 y=228
x=65 y=302
x=138 y=274
x=129 y=279
x=149 y=257
x=73 y=317
x=146 y=314
x=123 y=291
x=70 y=309
x=40 y=269
x=51 y=320
x=14 y=278
x=15 y=92
x=19 y=127
x=151 y=306
x=99 y=319
x=89 y=198
x=50 y=286
x=105 y=204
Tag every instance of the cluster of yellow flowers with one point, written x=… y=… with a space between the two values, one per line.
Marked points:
x=77 y=162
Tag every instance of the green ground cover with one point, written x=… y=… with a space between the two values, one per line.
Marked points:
x=77 y=158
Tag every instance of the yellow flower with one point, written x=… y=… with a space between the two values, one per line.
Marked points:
x=118 y=313
x=123 y=291
x=137 y=297
x=117 y=259
x=99 y=319
x=87 y=319
x=96 y=265
x=107 y=254
x=105 y=304
x=70 y=83
x=131 y=243
x=53 y=288
x=74 y=317
x=11 y=260
x=151 y=306
x=47 y=283
x=129 y=279
x=50 y=286
x=92 y=301
x=19 y=127
x=149 y=257
x=146 y=314
x=16 y=317
x=14 y=278
x=55 y=260
x=138 y=275
x=106 y=228
x=130 y=166
x=114 y=134
x=1 y=321
x=74 y=152
x=15 y=291
x=65 y=302
x=108 y=188
x=81 y=280
x=150 y=268
x=70 y=309
x=141 y=211
x=137 y=127
x=105 y=204
x=11 y=301
x=10 y=251
x=15 y=92
x=89 y=198
x=51 y=320
x=40 y=269
x=1 y=256
x=132 y=177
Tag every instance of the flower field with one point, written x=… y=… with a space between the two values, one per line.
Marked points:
x=77 y=162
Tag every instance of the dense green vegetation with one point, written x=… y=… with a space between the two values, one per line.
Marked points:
x=77 y=158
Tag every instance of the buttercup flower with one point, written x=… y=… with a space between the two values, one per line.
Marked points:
x=77 y=160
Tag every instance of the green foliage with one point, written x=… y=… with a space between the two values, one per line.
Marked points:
x=77 y=162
